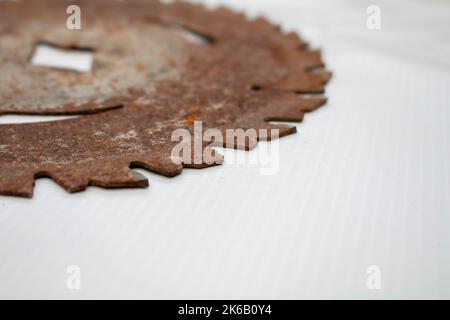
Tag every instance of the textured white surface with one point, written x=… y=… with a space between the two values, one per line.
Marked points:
x=365 y=182
x=48 y=56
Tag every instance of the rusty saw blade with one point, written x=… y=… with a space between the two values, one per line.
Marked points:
x=244 y=74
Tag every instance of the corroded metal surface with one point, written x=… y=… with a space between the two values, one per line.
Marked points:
x=246 y=75
x=131 y=54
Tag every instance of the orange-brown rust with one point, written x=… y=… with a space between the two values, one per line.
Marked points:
x=248 y=74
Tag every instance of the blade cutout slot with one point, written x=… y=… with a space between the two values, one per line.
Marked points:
x=73 y=58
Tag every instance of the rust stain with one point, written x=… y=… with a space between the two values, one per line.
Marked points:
x=191 y=118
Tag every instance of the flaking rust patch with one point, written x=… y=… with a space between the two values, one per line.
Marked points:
x=246 y=74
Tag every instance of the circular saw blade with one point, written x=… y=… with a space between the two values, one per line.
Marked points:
x=245 y=75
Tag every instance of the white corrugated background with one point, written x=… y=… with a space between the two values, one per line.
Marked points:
x=364 y=182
